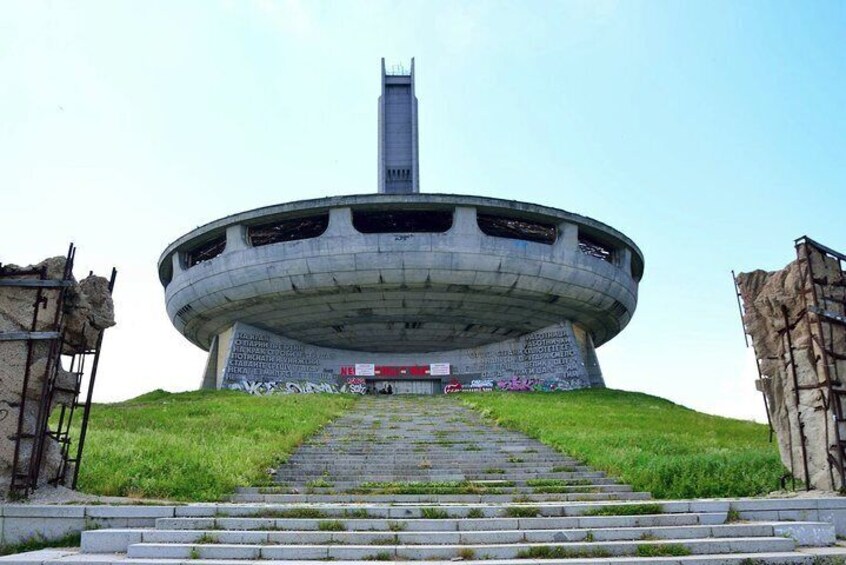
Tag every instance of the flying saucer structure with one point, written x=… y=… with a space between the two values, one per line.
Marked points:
x=429 y=293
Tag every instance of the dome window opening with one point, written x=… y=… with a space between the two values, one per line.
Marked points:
x=402 y=221
x=595 y=248
x=206 y=251
x=517 y=228
x=288 y=230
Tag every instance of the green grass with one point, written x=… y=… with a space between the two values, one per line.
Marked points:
x=37 y=542
x=558 y=552
x=624 y=510
x=648 y=442
x=331 y=526
x=303 y=512
x=662 y=550
x=381 y=556
x=197 y=446
x=434 y=514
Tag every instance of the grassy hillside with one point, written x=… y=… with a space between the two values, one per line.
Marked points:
x=199 y=446
x=648 y=442
x=196 y=446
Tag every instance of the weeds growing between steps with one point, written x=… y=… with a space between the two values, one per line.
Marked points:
x=647 y=442
x=37 y=542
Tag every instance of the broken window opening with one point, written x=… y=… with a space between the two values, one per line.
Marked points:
x=288 y=230
x=516 y=228
x=592 y=247
x=402 y=221
x=205 y=251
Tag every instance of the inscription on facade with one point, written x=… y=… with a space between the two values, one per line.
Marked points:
x=548 y=359
x=548 y=352
x=258 y=356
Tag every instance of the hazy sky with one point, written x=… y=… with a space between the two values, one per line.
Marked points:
x=711 y=133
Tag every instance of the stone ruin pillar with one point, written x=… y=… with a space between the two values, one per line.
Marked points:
x=797 y=320
x=78 y=312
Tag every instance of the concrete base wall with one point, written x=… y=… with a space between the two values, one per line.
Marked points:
x=23 y=522
x=558 y=357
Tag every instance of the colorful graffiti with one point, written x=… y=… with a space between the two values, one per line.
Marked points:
x=513 y=384
x=265 y=388
x=517 y=384
x=479 y=385
x=476 y=385
x=355 y=385
x=453 y=387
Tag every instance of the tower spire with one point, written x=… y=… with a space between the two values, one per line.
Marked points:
x=399 y=171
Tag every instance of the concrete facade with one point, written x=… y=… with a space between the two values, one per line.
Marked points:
x=261 y=362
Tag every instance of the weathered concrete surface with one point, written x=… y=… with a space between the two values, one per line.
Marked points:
x=767 y=298
x=88 y=309
x=260 y=362
x=402 y=292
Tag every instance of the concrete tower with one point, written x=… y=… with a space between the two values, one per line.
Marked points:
x=399 y=171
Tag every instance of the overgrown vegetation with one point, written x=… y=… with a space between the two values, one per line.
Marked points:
x=648 y=442
x=434 y=514
x=624 y=510
x=297 y=512
x=522 y=511
x=662 y=550
x=331 y=526
x=559 y=552
x=197 y=446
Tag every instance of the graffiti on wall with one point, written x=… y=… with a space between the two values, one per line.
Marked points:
x=513 y=384
x=265 y=388
x=355 y=385
x=453 y=387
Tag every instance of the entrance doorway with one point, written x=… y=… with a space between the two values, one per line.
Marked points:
x=408 y=387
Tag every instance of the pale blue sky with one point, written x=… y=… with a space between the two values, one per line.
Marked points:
x=711 y=133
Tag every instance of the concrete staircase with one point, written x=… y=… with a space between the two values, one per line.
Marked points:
x=426 y=479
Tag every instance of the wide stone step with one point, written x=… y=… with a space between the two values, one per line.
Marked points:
x=487 y=480
x=428 y=552
x=119 y=540
x=446 y=525
x=415 y=509
x=488 y=472
x=463 y=487
x=464 y=458
x=436 y=498
x=764 y=558
x=492 y=479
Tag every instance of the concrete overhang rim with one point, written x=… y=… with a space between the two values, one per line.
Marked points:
x=395 y=199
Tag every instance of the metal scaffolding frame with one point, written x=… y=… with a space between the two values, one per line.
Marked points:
x=820 y=313
x=30 y=441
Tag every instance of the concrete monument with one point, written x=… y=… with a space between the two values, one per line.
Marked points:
x=428 y=292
